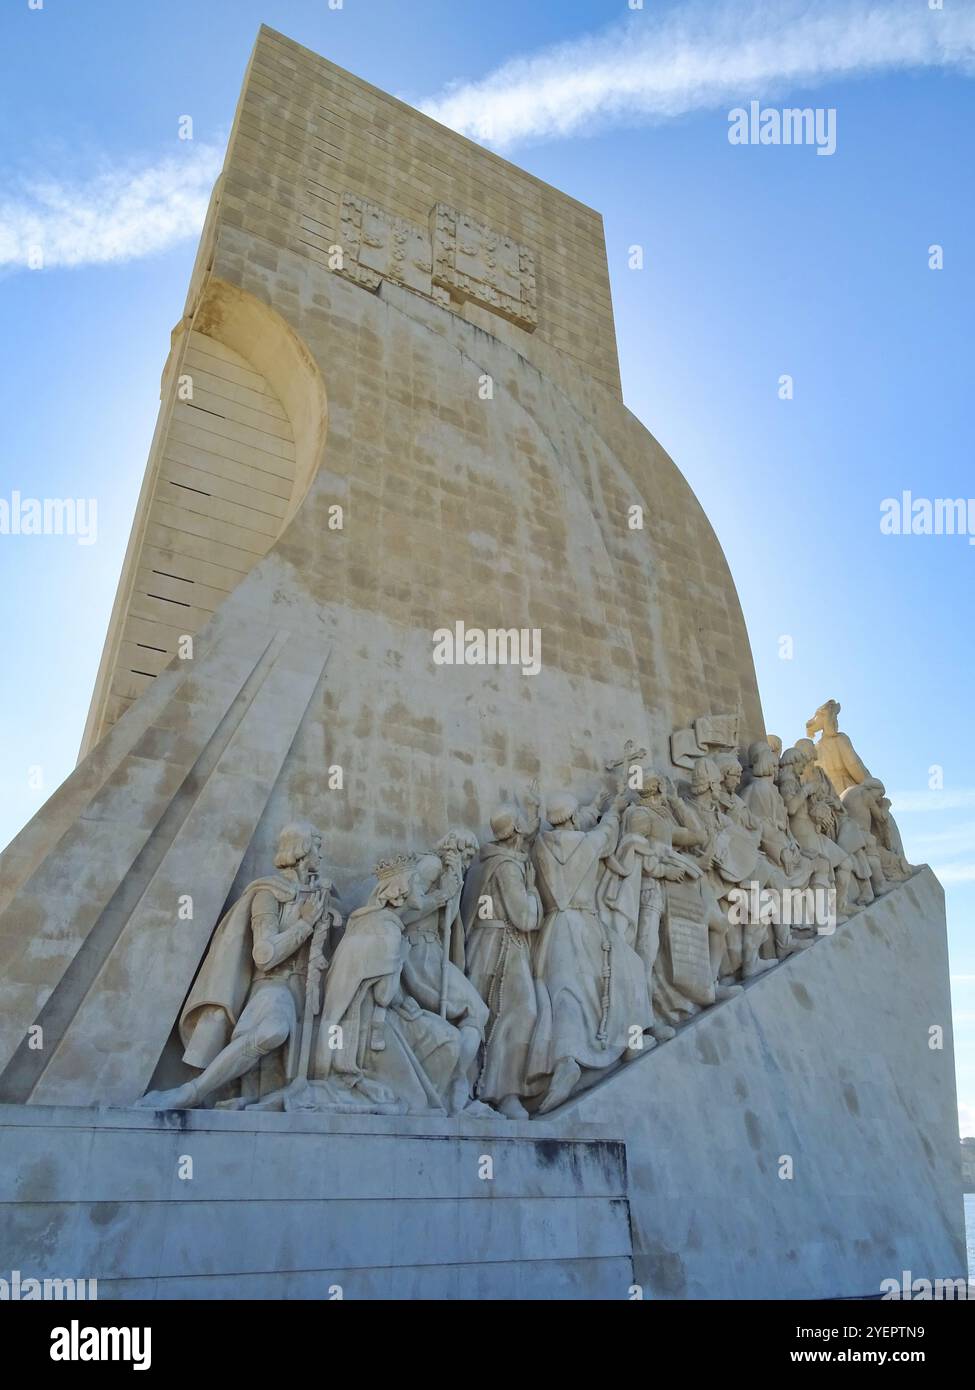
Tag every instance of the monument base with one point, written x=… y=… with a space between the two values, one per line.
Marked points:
x=217 y=1205
x=798 y=1141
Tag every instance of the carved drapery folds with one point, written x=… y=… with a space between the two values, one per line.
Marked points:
x=503 y=979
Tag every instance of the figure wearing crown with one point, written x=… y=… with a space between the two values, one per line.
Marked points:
x=374 y=1039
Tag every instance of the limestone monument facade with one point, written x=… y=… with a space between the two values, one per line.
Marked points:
x=353 y=859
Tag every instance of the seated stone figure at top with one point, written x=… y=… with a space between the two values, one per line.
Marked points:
x=247 y=998
x=593 y=999
x=834 y=751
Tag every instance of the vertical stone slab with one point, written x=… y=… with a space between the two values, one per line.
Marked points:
x=48 y=922
x=114 y=1040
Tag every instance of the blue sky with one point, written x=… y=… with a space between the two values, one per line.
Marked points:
x=759 y=261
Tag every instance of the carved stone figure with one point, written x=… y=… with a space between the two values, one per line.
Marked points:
x=593 y=999
x=731 y=858
x=779 y=846
x=811 y=821
x=831 y=816
x=888 y=834
x=764 y=800
x=433 y=965
x=869 y=807
x=375 y=1040
x=585 y=943
x=506 y=915
x=631 y=895
x=693 y=928
x=769 y=874
x=245 y=1002
x=590 y=815
x=834 y=751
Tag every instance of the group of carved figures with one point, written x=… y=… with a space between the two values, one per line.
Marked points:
x=507 y=978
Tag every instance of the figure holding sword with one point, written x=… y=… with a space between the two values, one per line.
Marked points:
x=244 y=1004
x=317 y=965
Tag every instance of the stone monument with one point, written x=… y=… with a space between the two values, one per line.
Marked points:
x=351 y=889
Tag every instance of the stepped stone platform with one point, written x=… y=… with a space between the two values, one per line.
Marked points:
x=312 y=1206
x=667 y=1179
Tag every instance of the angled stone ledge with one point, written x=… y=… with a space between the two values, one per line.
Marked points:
x=825 y=1060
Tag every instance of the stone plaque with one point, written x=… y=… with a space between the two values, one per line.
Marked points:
x=687 y=932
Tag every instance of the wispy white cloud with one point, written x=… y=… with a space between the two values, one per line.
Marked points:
x=655 y=66
x=117 y=214
x=930 y=801
x=955 y=873
x=955 y=839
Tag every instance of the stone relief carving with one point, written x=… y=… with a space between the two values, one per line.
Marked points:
x=473 y=261
x=814 y=824
x=250 y=991
x=376 y=1042
x=868 y=805
x=377 y=246
x=593 y=997
x=683 y=961
x=434 y=956
x=711 y=733
x=502 y=924
x=456 y=258
x=587 y=936
x=834 y=751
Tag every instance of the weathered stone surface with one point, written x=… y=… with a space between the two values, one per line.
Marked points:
x=685 y=1146
x=505 y=511
x=390 y=417
x=277 y=1208
x=828 y=1061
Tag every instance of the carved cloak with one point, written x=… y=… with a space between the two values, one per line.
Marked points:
x=593 y=984
x=226 y=975
x=412 y=1073
x=499 y=960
